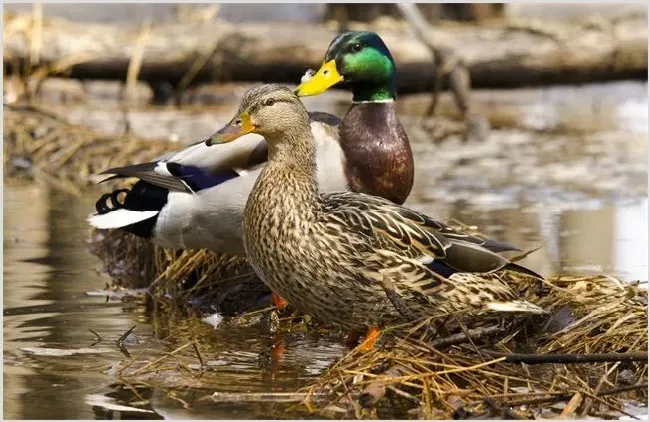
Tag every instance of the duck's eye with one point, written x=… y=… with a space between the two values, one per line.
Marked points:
x=269 y=102
x=356 y=47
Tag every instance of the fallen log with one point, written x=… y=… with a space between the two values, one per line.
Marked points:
x=506 y=55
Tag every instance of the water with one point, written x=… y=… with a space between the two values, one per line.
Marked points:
x=47 y=313
x=565 y=169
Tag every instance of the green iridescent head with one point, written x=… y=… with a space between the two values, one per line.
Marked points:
x=362 y=61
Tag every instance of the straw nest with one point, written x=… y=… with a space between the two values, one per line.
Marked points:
x=209 y=280
x=582 y=359
x=586 y=358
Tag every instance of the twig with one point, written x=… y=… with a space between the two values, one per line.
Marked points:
x=137 y=371
x=611 y=391
x=555 y=397
x=474 y=334
x=469 y=337
x=558 y=397
x=599 y=386
x=540 y=358
x=571 y=407
x=120 y=342
x=198 y=354
x=225 y=397
x=98 y=339
x=355 y=405
x=136 y=59
x=404 y=394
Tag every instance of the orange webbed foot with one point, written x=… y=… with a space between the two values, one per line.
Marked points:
x=277 y=301
x=368 y=343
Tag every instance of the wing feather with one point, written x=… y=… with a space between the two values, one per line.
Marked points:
x=411 y=230
x=148 y=173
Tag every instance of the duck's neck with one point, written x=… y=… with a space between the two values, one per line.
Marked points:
x=371 y=91
x=292 y=166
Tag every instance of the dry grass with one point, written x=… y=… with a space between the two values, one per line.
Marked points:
x=588 y=315
x=608 y=315
x=37 y=141
x=412 y=375
x=224 y=282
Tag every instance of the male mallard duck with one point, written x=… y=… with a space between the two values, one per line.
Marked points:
x=195 y=198
x=372 y=137
x=330 y=254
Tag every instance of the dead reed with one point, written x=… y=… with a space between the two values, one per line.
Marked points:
x=36 y=141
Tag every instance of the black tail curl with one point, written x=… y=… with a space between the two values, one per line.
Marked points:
x=142 y=196
x=103 y=206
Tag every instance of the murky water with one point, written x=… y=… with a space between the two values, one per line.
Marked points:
x=563 y=168
x=54 y=368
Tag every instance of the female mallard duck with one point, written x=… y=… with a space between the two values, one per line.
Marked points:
x=330 y=254
x=195 y=198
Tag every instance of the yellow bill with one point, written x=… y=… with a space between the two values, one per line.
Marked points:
x=326 y=77
x=238 y=127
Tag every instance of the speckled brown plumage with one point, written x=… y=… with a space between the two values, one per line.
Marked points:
x=328 y=254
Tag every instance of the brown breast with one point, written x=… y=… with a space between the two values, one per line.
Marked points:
x=378 y=153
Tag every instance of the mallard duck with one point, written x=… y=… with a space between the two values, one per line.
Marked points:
x=330 y=254
x=372 y=137
x=195 y=198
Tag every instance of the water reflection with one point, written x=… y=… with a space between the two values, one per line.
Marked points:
x=47 y=272
x=45 y=276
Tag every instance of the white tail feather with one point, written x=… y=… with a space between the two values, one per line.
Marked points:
x=119 y=218
x=516 y=306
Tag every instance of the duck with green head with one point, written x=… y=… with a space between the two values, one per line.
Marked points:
x=377 y=149
x=178 y=196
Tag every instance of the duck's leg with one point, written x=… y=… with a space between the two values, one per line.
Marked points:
x=277 y=301
x=368 y=343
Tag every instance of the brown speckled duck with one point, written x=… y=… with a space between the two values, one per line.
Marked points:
x=330 y=254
